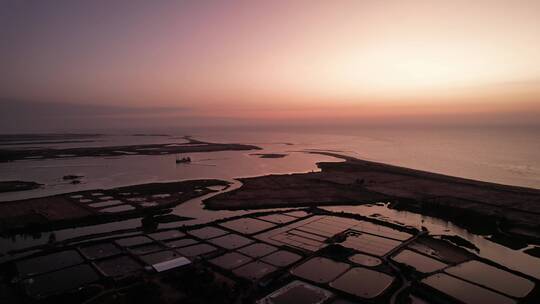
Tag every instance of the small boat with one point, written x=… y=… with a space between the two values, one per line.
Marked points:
x=182 y=160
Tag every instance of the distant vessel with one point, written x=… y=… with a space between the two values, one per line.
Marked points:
x=180 y=160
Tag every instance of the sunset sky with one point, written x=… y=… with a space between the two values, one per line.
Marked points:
x=277 y=60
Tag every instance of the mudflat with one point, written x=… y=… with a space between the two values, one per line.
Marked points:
x=148 y=149
x=513 y=210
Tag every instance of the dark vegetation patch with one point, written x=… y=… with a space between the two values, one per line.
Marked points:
x=9 y=186
x=535 y=252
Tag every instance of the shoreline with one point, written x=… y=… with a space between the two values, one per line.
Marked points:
x=509 y=213
x=502 y=209
x=192 y=146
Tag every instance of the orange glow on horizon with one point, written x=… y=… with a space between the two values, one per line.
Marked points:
x=282 y=59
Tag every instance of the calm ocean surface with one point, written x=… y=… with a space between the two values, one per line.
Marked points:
x=501 y=155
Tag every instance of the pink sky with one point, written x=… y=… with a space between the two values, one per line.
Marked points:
x=277 y=60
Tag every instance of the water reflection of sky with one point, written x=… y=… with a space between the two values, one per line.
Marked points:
x=120 y=171
x=109 y=172
x=513 y=259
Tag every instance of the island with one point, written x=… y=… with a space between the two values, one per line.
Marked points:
x=16 y=185
x=191 y=146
